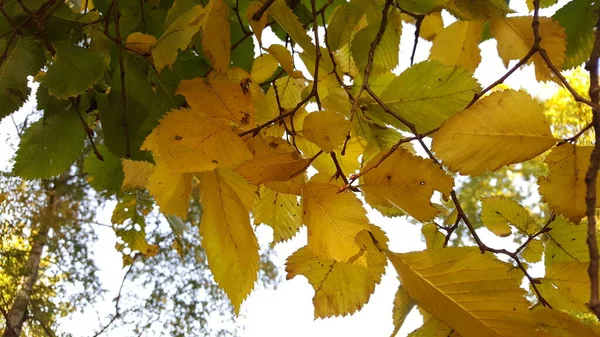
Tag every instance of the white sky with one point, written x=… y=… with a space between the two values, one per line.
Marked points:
x=288 y=310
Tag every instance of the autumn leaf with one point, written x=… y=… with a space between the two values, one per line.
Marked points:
x=257 y=26
x=326 y=129
x=458 y=44
x=280 y=211
x=215 y=35
x=498 y=213
x=140 y=42
x=188 y=140
x=564 y=187
x=280 y=167
x=406 y=182
x=136 y=173
x=227 y=237
x=485 y=136
x=515 y=39
x=333 y=220
x=220 y=97
x=497 y=308
x=341 y=288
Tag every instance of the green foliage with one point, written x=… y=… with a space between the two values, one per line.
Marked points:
x=46 y=149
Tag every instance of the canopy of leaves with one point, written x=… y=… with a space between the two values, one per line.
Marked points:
x=178 y=110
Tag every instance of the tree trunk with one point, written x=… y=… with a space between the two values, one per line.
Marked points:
x=18 y=311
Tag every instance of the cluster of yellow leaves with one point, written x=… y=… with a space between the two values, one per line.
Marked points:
x=230 y=141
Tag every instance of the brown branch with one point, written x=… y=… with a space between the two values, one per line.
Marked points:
x=577 y=135
x=259 y=13
x=339 y=173
x=236 y=9
x=591 y=178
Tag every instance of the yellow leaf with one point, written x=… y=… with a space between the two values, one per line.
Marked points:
x=171 y=190
x=458 y=44
x=566 y=285
x=431 y=26
x=433 y=237
x=407 y=182
x=136 y=173
x=554 y=323
x=264 y=67
x=515 y=38
x=227 y=237
x=220 y=97
x=498 y=213
x=290 y=91
x=333 y=220
x=564 y=188
x=177 y=36
x=534 y=251
x=478 y=10
x=279 y=211
x=341 y=288
x=139 y=42
x=2 y=197
x=503 y=128
x=284 y=57
x=191 y=141
x=216 y=41
x=403 y=304
x=473 y=293
x=326 y=129
x=434 y=328
x=280 y=167
x=257 y=26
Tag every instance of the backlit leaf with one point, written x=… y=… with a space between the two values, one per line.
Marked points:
x=534 y=251
x=478 y=10
x=280 y=211
x=498 y=213
x=421 y=7
x=257 y=26
x=192 y=141
x=326 y=129
x=426 y=94
x=280 y=11
x=341 y=288
x=503 y=128
x=136 y=173
x=46 y=149
x=333 y=220
x=220 y=97
x=515 y=38
x=264 y=67
x=140 y=42
x=441 y=281
x=279 y=167
x=564 y=188
x=106 y=176
x=458 y=44
x=177 y=36
x=227 y=237
x=406 y=182
x=403 y=304
x=577 y=18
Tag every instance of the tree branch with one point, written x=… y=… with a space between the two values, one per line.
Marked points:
x=591 y=178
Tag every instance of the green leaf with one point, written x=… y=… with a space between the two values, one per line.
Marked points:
x=343 y=22
x=49 y=147
x=243 y=55
x=289 y=22
x=177 y=36
x=386 y=53
x=426 y=94
x=83 y=66
x=23 y=58
x=478 y=10
x=141 y=115
x=421 y=6
x=578 y=18
x=104 y=176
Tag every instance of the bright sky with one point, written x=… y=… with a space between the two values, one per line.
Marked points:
x=288 y=310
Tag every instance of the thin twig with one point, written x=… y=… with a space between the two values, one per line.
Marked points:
x=339 y=173
x=317 y=54
x=122 y=73
x=417 y=32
